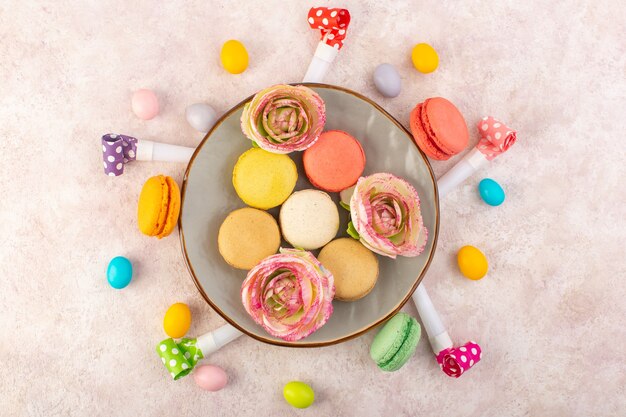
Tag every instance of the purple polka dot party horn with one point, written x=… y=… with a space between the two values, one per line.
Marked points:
x=118 y=150
x=181 y=357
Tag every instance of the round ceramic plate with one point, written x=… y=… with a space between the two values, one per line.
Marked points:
x=208 y=196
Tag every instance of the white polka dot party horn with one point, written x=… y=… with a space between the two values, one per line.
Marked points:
x=496 y=138
x=180 y=358
x=118 y=150
x=333 y=24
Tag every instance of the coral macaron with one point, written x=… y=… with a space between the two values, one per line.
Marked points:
x=159 y=206
x=335 y=162
x=439 y=128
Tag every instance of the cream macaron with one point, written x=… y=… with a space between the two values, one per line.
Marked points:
x=248 y=236
x=309 y=219
x=354 y=267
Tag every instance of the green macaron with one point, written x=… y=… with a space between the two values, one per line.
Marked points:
x=395 y=343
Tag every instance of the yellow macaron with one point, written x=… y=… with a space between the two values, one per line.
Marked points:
x=159 y=206
x=264 y=180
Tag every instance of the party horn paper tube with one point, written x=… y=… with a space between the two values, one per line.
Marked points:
x=118 y=150
x=333 y=25
x=180 y=358
x=496 y=138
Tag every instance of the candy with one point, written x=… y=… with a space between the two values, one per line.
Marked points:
x=472 y=263
x=424 y=58
x=491 y=192
x=387 y=80
x=298 y=394
x=201 y=116
x=177 y=320
x=145 y=104
x=234 y=57
x=119 y=272
x=210 y=378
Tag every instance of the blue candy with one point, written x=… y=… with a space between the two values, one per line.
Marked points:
x=119 y=272
x=491 y=192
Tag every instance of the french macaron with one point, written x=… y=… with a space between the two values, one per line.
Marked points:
x=395 y=343
x=264 y=180
x=309 y=219
x=159 y=206
x=439 y=128
x=248 y=236
x=354 y=267
x=334 y=162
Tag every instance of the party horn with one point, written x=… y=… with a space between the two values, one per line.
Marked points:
x=333 y=25
x=452 y=360
x=496 y=138
x=180 y=358
x=118 y=150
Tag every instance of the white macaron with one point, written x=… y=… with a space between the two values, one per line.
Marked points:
x=309 y=219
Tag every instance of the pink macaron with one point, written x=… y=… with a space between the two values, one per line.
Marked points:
x=439 y=128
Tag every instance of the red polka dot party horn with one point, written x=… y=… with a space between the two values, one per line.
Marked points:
x=118 y=150
x=495 y=139
x=333 y=25
x=181 y=357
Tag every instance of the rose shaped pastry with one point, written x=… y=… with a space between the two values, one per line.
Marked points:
x=284 y=118
x=385 y=212
x=290 y=294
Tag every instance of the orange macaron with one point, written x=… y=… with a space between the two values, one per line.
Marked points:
x=335 y=162
x=439 y=128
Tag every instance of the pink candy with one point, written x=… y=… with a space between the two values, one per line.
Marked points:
x=210 y=378
x=145 y=104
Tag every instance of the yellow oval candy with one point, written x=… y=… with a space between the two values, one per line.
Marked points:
x=177 y=320
x=234 y=57
x=424 y=58
x=472 y=263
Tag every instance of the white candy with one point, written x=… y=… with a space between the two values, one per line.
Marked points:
x=387 y=80
x=201 y=116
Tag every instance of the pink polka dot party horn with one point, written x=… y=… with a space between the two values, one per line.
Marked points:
x=181 y=357
x=333 y=25
x=118 y=150
x=495 y=139
x=454 y=361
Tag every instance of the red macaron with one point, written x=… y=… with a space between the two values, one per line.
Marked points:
x=439 y=128
x=335 y=162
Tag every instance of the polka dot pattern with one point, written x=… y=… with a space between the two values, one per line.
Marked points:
x=495 y=137
x=117 y=150
x=455 y=361
x=331 y=22
x=175 y=356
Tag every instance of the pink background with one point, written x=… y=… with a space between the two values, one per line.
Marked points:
x=549 y=315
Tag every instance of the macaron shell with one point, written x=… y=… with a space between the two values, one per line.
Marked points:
x=173 y=208
x=334 y=162
x=248 y=236
x=421 y=137
x=152 y=206
x=395 y=343
x=354 y=267
x=263 y=179
x=445 y=125
x=309 y=219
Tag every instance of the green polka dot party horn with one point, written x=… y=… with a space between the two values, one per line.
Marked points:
x=180 y=358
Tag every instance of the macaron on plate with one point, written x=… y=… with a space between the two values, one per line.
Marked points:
x=224 y=175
